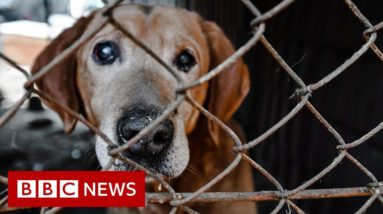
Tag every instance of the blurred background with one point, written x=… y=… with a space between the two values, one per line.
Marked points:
x=313 y=36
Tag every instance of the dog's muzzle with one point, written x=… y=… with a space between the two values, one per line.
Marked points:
x=154 y=144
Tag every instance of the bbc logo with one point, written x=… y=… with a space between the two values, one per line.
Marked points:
x=47 y=188
x=76 y=189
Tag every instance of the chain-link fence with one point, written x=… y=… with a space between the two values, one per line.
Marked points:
x=286 y=197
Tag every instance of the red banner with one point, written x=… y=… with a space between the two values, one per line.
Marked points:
x=76 y=189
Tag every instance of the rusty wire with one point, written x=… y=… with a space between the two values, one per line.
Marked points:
x=304 y=91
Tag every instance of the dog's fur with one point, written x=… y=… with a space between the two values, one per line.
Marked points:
x=103 y=93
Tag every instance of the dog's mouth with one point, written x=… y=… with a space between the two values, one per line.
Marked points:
x=151 y=150
x=167 y=161
x=162 y=150
x=157 y=169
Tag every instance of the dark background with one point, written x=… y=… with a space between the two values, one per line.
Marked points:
x=314 y=37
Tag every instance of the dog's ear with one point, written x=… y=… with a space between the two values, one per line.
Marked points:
x=230 y=87
x=59 y=83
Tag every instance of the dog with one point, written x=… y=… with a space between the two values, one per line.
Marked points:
x=120 y=89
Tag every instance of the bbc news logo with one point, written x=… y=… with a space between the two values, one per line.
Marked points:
x=69 y=189
x=76 y=189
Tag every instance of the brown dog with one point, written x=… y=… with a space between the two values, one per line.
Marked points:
x=120 y=88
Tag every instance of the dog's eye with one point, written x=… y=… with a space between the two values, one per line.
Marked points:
x=105 y=53
x=185 y=61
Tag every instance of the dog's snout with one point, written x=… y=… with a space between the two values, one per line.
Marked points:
x=152 y=144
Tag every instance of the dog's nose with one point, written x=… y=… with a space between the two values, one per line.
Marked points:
x=153 y=143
